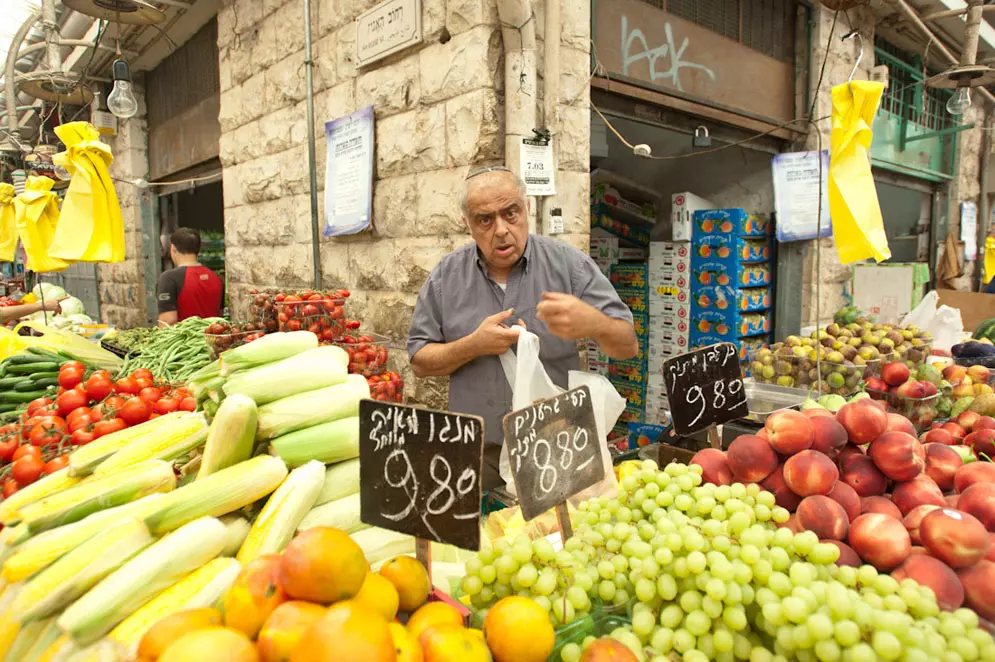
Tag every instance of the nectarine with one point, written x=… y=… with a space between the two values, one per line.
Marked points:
x=914 y=518
x=978 y=581
x=938 y=436
x=847 y=555
x=898 y=455
x=942 y=463
x=830 y=436
x=751 y=458
x=982 y=442
x=935 y=574
x=714 y=465
x=860 y=473
x=810 y=472
x=863 y=420
x=978 y=500
x=898 y=423
x=783 y=496
x=789 y=431
x=954 y=537
x=920 y=491
x=879 y=504
x=880 y=540
x=975 y=472
x=823 y=516
x=845 y=496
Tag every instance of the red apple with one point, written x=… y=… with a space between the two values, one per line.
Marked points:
x=954 y=537
x=975 y=472
x=789 y=431
x=978 y=500
x=978 y=581
x=845 y=496
x=823 y=516
x=982 y=441
x=864 y=477
x=898 y=455
x=968 y=419
x=920 y=491
x=914 y=518
x=715 y=467
x=881 y=505
x=880 y=540
x=830 y=436
x=935 y=574
x=937 y=436
x=876 y=384
x=942 y=463
x=810 y=472
x=863 y=420
x=895 y=373
x=847 y=555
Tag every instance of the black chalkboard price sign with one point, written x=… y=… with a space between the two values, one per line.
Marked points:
x=553 y=447
x=705 y=388
x=420 y=472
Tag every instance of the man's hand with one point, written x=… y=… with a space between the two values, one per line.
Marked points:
x=493 y=337
x=568 y=317
x=53 y=305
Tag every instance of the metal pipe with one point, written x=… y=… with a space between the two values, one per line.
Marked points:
x=72 y=42
x=551 y=87
x=312 y=162
x=10 y=89
x=984 y=208
x=969 y=52
x=950 y=13
x=51 y=28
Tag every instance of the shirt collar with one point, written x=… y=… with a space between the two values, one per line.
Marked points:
x=524 y=260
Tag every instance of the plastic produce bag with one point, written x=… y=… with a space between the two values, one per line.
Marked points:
x=90 y=229
x=989 y=264
x=853 y=200
x=529 y=382
x=37 y=214
x=943 y=322
x=8 y=223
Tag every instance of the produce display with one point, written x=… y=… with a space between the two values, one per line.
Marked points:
x=222 y=336
x=174 y=353
x=914 y=395
x=328 y=316
x=388 y=387
x=71 y=315
x=367 y=353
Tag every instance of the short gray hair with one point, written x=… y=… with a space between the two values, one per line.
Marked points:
x=465 y=189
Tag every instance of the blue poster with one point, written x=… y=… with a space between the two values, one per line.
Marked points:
x=349 y=173
x=796 y=195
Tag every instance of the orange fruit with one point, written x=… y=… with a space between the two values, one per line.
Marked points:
x=348 y=631
x=323 y=565
x=410 y=579
x=379 y=594
x=518 y=630
x=449 y=643
x=285 y=627
x=433 y=614
x=215 y=643
x=254 y=595
x=407 y=647
x=170 y=628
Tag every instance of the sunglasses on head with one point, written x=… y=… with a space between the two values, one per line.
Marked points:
x=484 y=171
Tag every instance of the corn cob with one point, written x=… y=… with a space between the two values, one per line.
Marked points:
x=284 y=510
x=268 y=349
x=307 y=371
x=218 y=494
x=329 y=442
x=50 y=484
x=168 y=443
x=102 y=651
x=379 y=544
x=56 y=648
x=28 y=635
x=42 y=550
x=238 y=530
x=99 y=493
x=201 y=588
x=232 y=435
x=77 y=572
x=339 y=514
x=341 y=480
x=9 y=629
x=43 y=641
x=85 y=459
x=133 y=584
x=311 y=408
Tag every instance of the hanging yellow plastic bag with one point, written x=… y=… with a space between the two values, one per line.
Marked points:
x=37 y=213
x=8 y=224
x=989 y=259
x=853 y=199
x=90 y=228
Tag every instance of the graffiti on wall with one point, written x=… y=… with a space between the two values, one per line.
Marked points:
x=669 y=56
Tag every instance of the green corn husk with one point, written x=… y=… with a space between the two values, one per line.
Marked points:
x=339 y=514
x=307 y=371
x=305 y=410
x=341 y=480
x=231 y=437
x=334 y=441
x=268 y=349
x=181 y=440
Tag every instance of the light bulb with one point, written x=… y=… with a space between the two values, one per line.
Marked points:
x=121 y=101
x=960 y=101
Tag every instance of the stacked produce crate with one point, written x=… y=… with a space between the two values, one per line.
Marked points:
x=669 y=315
x=730 y=279
x=629 y=376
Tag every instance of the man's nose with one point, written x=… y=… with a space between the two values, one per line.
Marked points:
x=500 y=227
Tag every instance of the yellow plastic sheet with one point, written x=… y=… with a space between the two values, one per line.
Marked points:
x=37 y=213
x=10 y=343
x=853 y=200
x=90 y=228
x=989 y=259
x=8 y=224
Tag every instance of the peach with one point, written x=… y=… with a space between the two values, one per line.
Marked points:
x=847 y=555
x=918 y=550
x=982 y=442
x=955 y=430
x=954 y=537
x=895 y=373
x=984 y=423
x=830 y=436
x=952 y=499
x=849 y=451
x=823 y=516
x=990 y=556
x=751 y=458
x=864 y=477
x=815 y=413
x=774 y=483
x=845 y=496
x=912 y=390
x=937 y=436
x=880 y=540
x=967 y=420
x=936 y=575
x=879 y=504
x=978 y=500
x=978 y=581
x=898 y=423
x=792 y=524
x=921 y=491
x=809 y=473
x=979 y=374
x=942 y=463
x=864 y=420
x=898 y=455
x=954 y=373
x=975 y=472
x=715 y=467
x=789 y=431
x=914 y=518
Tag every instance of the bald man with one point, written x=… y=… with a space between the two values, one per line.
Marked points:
x=462 y=321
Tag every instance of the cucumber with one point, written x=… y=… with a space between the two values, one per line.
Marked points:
x=31 y=368
x=8 y=409
x=985 y=329
x=35 y=384
x=7 y=383
x=46 y=354
x=26 y=384
x=27 y=357
x=20 y=396
x=45 y=375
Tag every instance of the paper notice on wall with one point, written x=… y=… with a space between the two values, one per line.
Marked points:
x=796 y=195
x=538 y=171
x=349 y=173
x=969 y=229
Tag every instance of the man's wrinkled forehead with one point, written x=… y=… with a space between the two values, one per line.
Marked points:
x=492 y=191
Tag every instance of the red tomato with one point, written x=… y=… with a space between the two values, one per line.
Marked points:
x=113 y=403
x=98 y=386
x=150 y=394
x=181 y=393
x=55 y=464
x=9 y=487
x=102 y=428
x=81 y=437
x=167 y=405
x=294 y=325
x=75 y=365
x=10 y=428
x=80 y=422
x=26 y=449
x=142 y=373
x=26 y=470
x=70 y=378
x=143 y=382
x=126 y=385
x=70 y=401
x=7 y=448
x=97 y=412
x=188 y=403
x=47 y=412
x=309 y=310
x=47 y=432
x=102 y=373
x=77 y=414
x=135 y=411
x=37 y=404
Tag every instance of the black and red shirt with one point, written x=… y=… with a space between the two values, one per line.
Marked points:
x=192 y=291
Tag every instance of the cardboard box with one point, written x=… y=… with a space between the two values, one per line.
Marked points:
x=665 y=283
x=729 y=324
x=745 y=345
x=673 y=321
x=633 y=370
x=644 y=434
x=633 y=392
x=632 y=254
x=602 y=217
x=889 y=291
x=682 y=209
x=630 y=276
x=636 y=299
x=730 y=221
x=729 y=247
x=975 y=307
x=738 y=275
x=727 y=298
x=631 y=415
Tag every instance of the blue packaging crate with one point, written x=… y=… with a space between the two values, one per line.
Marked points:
x=633 y=392
x=630 y=276
x=723 y=298
x=638 y=300
x=633 y=370
x=730 y=221
x=644 y=434
x=730 y=248
x=641 y=323
x=738 y=275
x=746 y=346
x=729 y=324
x=632 y=414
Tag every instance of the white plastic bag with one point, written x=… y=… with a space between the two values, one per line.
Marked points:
x=943 y=322
x=529 y=382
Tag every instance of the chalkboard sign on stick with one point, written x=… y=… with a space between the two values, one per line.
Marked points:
x=554 y=450
x=705 y=388
x=420 y=472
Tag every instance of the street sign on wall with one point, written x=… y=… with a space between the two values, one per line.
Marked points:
x=386 y=29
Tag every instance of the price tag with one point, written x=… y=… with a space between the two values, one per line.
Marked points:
x=420 y=472
x=705 y=388
x=554 y=451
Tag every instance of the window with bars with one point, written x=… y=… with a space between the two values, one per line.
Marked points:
x=766 y=26
x=906 y=96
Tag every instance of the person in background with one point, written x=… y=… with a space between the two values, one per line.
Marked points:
x=190 y=289
x=12 y=313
